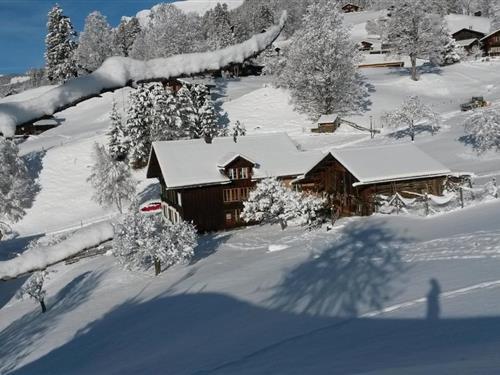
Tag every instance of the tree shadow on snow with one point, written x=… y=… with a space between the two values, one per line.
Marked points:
x=17 y=339
x=218 y=95
x=34 y=164
x=354 y=273
x=212 y=333
x=151 y=192
x=208 y=244
x=419 y=129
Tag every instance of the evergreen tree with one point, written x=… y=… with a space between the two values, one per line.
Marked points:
x=59 y=47
x=451 y=52
x=117 y=144
x=95 y=43
x=208 y=120
x=125 y=35
x=238 y=130
x=414 y=31
x=166 y=121
x=483 y=130
x=111 y=180
x=321 y=65
x=15 y=183
x=187 y=111
x=138 y=128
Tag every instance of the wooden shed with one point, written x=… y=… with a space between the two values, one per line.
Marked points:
x=327 y=124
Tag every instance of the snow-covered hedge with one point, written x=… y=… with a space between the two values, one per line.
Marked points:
x=117 y=72
x=44 y=256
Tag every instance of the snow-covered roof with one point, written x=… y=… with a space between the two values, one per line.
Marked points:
x=327 y=119
x=188 y=163
x=490 y=34
x=232 y=156
x=457 y=22
x=377 y=164
x=466 y=42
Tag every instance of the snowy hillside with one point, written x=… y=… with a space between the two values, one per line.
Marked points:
x=385 y=294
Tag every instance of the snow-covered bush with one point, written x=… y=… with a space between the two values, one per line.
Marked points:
x=320 y=69
x=33 y=288
x=143 y=241
x=451 y=52
x=483 y=130
x=272 y=202
x=410 y=115
x=238 y=130
x=15 y=183
x=111 y=180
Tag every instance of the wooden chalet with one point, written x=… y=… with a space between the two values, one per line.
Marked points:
x=208 y=183
x=353 y=177
x=467 y=33
x=491 y=43
x=38 y=127
x=327 y=124
x=350 y=8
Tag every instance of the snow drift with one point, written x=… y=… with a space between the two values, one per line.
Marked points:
x=44 y=256
x=117 y=72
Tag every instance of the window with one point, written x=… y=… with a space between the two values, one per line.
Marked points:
x=236 y=194
x=238 y=173
x=233 y=217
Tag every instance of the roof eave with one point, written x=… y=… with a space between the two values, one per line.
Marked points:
x=405 y=178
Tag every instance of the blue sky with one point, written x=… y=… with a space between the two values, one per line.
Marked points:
x=23 y=26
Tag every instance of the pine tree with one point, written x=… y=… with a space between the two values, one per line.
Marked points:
x=238 y=130
x=95 y=43
x=411 y=114
x=145 y=241
x=15 y=183
x=138 y=128
x=166 y=123
x=414 y=31
x=33 y=288
x=125 y=35
x=112 y=181
x=117 y=144
x=209 y=126
x=60 y=46
x=451 y=52
x=321 y=65
x=187 y=111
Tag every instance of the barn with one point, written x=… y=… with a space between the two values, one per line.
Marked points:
x=353 y=177
x=206 y=183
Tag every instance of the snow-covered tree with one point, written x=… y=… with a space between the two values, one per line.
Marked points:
x=296 y=9
x=495 y=17
x=187 y=110
x=111 y=180
x=143 y=241
x=209 y=128
x=321 y=64
x=117 y=143
x=238 y=130
x=59 y=47
x=219 y=33
x=124 y=36
x=411 y=114
x=415 y=31
x=166 y=119
x=168 y=32
x=483 y=129
x=95 y=42
x=138 y=125
x=272 y=202
x=15 y=183
x=451 y=52
x=33 y=288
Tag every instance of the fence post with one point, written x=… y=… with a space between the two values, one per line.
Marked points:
x=426 y=197
x=461 y=190
x=495 y=186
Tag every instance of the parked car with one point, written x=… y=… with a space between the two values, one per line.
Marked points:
x=475 y=102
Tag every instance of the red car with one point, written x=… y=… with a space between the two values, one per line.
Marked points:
x=151 y=207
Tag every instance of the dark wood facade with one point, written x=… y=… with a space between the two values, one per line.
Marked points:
x=491 y=44
x=465 y=34
x=350 y=8
x=331 y=178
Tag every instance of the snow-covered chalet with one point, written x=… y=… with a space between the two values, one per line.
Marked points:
x=207 y=183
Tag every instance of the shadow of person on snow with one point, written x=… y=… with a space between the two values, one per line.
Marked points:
x=433 y=306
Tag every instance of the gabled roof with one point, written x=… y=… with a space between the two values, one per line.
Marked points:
x=327 y=119
x=190 y=163
x=467 y=42
x=469 y=29
x=230 y=157
x=377 y=164
x=490 y=34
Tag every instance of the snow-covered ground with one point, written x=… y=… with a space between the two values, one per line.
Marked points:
x=258 y=300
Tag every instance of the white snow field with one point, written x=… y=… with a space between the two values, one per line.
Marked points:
x=353 y=299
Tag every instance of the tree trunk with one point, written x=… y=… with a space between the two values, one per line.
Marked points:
x=414 y=75
x=283 y=224
x=42 y=304
x=157 y=267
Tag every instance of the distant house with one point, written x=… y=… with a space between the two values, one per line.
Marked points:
x=491 y=43
x=353 y=177
x=350 y=8
x=38 y=127
x=365 y=46
x=327 y=124
x=208 y=183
